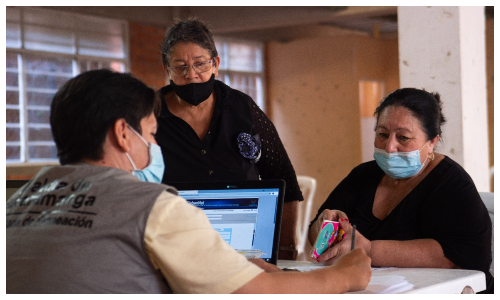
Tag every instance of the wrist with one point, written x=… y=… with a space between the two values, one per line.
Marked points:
x=368 y=248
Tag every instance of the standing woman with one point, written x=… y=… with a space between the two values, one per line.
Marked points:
x=210 y=132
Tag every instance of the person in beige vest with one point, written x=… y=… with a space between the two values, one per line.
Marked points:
x=101 y=223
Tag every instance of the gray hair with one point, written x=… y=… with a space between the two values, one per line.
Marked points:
x=190 y=30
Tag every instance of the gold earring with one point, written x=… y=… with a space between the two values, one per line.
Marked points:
x=429 y=156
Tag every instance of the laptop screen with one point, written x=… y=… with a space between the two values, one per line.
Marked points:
x=247 y=215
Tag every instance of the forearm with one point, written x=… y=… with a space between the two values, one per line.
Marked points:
x=288 y=229
x=351 y=272
x=422 y=253
x=324 y=281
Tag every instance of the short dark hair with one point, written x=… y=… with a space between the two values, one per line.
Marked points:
x=425 y=106
x=189 y=30
x=87 y=106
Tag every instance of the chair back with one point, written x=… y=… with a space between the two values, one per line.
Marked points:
x=307 y=185
x=488 y=202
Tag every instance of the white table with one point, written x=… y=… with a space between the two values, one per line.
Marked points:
x=410 y=280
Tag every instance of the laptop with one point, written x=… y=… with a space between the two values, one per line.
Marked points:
x=247 y=214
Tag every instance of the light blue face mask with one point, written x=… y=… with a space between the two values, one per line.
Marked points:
x=154 y=171
x=399 y=165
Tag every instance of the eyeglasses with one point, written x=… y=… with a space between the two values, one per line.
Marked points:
x=198 y=68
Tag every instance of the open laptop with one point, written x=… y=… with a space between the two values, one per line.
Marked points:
x=246 y=214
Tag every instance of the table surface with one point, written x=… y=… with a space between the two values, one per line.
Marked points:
x=410 y=280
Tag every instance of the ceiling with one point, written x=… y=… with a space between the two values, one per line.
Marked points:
x=288 y=23
x=265 y=23
x=279 y=23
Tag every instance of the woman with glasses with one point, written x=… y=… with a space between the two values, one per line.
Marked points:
x=211 y=132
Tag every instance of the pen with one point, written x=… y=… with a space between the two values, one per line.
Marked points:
x=353 y=236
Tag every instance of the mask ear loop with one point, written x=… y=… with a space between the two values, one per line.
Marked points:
x=142 y=139
x=131 y=161
x=138 y=135
x=423 y=146
x=428 y=155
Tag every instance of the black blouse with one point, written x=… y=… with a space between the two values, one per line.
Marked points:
x=444 y=206
x=217 y=157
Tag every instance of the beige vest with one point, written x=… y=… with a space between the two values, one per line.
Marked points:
x=80 y=229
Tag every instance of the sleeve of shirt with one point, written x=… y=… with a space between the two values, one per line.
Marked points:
x=455 y=216
x=191 y=255
x=274 y=162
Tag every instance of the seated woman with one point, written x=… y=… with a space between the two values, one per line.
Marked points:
x=412 y=206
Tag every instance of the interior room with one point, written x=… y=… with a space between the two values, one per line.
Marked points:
x=321 y=72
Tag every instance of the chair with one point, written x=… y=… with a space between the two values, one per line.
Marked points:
x=307 y=185
x=488 y=202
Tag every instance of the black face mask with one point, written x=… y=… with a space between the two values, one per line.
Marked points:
x=194 y=93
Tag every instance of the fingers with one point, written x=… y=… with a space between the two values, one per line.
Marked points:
x=344 y=224
x=329 y=256
x=358 y=266
x=362 y=257
x=333 y=215
x=353 y=257
x=339 y=249
x=341 y=215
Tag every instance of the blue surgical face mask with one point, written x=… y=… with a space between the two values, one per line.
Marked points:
x=154 y=171
x=399 y=165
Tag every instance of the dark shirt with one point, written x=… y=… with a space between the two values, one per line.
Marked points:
x=444 y=206
x=217 y=156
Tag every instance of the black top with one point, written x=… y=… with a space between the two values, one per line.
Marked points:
x=444 y=206
x=217 y=157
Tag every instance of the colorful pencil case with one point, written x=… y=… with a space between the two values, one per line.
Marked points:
x=329 y=235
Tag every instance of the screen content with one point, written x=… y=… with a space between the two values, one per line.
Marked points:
x=244 y=218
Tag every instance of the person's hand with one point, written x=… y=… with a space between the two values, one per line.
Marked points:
x=265 y=265
x=344 y=246
x=355 y=268
x=327 y=214
x=331 y=215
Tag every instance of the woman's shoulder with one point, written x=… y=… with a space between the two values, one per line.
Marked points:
x=229 y=99
x=451 y=169
x=226 y=93
x=450 y=178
